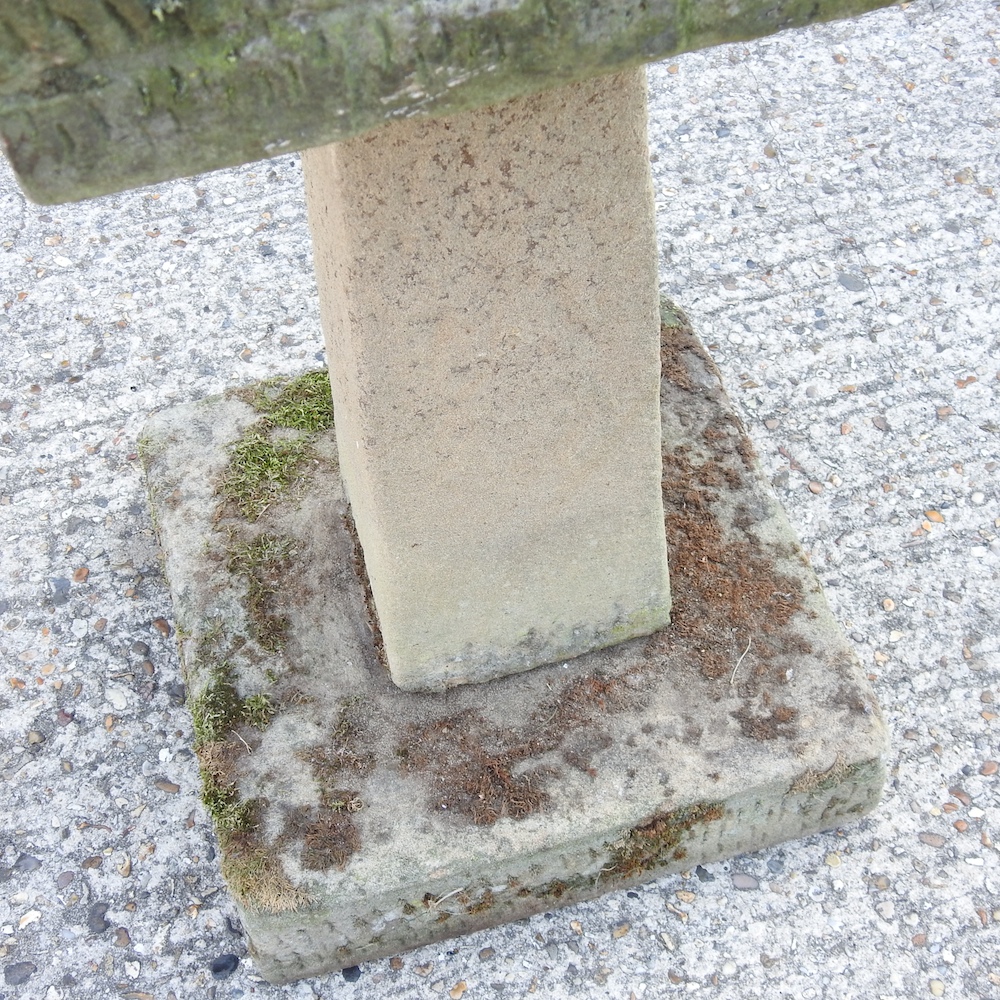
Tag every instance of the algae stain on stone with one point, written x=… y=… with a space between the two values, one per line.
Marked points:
x=642 y=622
x=839 y=773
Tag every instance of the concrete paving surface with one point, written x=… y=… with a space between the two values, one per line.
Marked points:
x=828 y=219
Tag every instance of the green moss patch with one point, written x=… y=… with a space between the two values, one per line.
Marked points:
x=254 y=874
x=657 y=842
x=263 y=562
x=270 y=454
x=258 y=710
x=224 y=804
x=216 y=709
x=263 y=463
x=260 y=469
x=300 y=404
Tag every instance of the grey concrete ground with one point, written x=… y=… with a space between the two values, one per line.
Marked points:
x=828 y=218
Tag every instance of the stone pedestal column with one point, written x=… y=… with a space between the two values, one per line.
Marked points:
x=488 y=287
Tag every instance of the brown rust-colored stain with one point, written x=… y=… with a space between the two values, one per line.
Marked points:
x=473 y=764
x=715 y=577
x=672 y=341
x=345 y=748
x=220 y=759
x=329 y=842
x=484 y=904
x=328 y=837
x=766 y=727
x=482 y=771
x=712 y=570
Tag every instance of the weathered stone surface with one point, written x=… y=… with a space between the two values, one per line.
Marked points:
x=488 y=291
x=363 y=820
x=100 y=96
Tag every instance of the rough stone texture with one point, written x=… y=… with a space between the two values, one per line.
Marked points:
x=99 y=96
x=488 y=290
x=384 y=819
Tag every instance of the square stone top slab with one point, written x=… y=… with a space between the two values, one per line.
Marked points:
x=101 y=95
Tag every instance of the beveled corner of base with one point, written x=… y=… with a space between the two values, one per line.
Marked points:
x=356 y=820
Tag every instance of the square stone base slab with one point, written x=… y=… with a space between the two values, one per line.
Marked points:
x=362 y=820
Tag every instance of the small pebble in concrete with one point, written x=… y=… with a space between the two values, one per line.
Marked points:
x=962 y=796
x=224 y=966
x=851 y=282
x=352 y=973
x=175 y=692
x=741 y=880
x=96 y=922
x=18 y=973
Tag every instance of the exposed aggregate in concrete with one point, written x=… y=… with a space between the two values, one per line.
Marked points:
x=853 y=313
